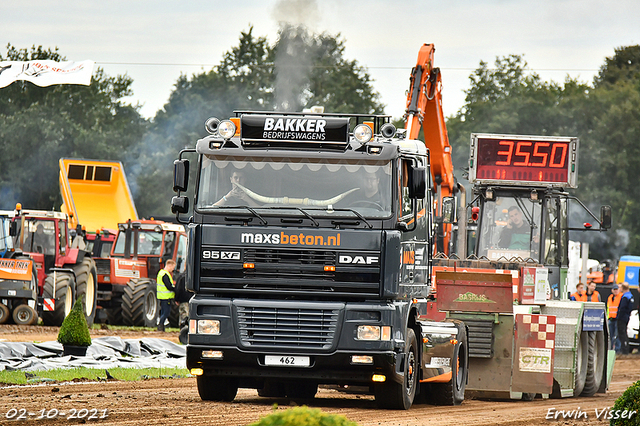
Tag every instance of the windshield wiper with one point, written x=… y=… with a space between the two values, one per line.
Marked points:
x=315 y=222
x=356 y=213
x=264 y=222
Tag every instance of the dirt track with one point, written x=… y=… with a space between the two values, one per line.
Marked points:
x=176 y=401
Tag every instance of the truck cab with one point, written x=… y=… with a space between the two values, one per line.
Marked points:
x=309 y=255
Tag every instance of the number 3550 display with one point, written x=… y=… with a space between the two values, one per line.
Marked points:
x=526 y=160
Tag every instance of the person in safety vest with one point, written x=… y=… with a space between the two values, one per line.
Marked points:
x=165 y=291
x=592 y=293
x=579 y=295
x=612 y=308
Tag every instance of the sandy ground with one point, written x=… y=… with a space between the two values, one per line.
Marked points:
x=176 y=401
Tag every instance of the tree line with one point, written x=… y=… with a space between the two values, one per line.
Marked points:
x=39 y=125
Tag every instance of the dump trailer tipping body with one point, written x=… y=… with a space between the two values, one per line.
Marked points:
x=128 y=251
x=309 y=250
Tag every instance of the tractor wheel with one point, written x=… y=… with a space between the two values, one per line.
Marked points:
x=174 y=315
x=400 y=396
x=87 y=286
x=4 y=313
x=581 y=362
x=64 y=297
x=25 y=315
x=595 y=364
x=114 y=312
x=139 y=303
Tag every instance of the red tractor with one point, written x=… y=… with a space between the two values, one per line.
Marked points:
x=141 y=248
x=65 y=270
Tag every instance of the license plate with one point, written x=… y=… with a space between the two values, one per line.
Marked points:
x=286 y=361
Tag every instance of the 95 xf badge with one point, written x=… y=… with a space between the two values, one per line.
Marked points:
x=220 y=255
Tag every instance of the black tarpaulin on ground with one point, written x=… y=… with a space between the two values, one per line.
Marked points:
x=104 y=352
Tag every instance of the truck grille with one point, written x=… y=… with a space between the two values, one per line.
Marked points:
x=292 y=328
x=290 y=271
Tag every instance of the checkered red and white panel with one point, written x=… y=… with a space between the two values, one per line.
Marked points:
x=541 y=329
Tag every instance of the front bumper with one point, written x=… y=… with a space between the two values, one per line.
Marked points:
x=334 y=368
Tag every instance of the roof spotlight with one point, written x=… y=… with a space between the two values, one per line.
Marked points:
x=226 y=129
x=362 y=133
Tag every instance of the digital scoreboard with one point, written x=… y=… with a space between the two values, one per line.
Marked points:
x=523 y=160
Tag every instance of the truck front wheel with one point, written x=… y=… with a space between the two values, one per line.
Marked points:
x=452 y=392
x=400 y=396
x=217 y=388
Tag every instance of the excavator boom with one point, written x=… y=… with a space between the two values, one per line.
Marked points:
x=424 y=111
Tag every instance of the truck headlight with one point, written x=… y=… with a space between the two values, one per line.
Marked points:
x=208 y=327
x=373 y=332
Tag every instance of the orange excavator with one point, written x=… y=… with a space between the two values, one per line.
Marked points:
x=424 y=111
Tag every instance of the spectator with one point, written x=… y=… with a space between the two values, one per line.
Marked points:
x=624 y=312
x=592 y=294
x=579 y=295
x=165 y=291
x=612 y=308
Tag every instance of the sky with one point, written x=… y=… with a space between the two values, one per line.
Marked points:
x=154 y=42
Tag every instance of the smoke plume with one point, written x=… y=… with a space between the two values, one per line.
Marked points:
x=294 y=57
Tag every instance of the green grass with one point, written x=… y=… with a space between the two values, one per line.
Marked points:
x=90 y=374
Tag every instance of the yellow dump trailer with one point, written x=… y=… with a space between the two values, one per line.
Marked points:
x=95 y=193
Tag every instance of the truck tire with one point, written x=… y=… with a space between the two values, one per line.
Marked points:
x=87 y=286
x=139 y=303
x=4 y=313
x=217 y=388
x=64 y=297
x=183 y=337
x=595 y=363
x=273 y=389
x=582 y=362
x=400 y=396
x=25 y=315
x=452 y=392
x=301 y=390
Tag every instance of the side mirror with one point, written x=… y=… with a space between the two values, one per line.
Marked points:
x=180 y=175
x=605 y=217
x=179 y=205
x=417 y=182
x=448 y=209
x=13 y=228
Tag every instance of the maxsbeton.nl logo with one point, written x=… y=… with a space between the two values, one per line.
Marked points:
x=290 y=239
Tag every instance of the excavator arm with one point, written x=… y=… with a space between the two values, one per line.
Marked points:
x=424 y=111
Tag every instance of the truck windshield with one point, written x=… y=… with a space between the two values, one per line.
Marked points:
x=310 y=184
x=510 y=229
